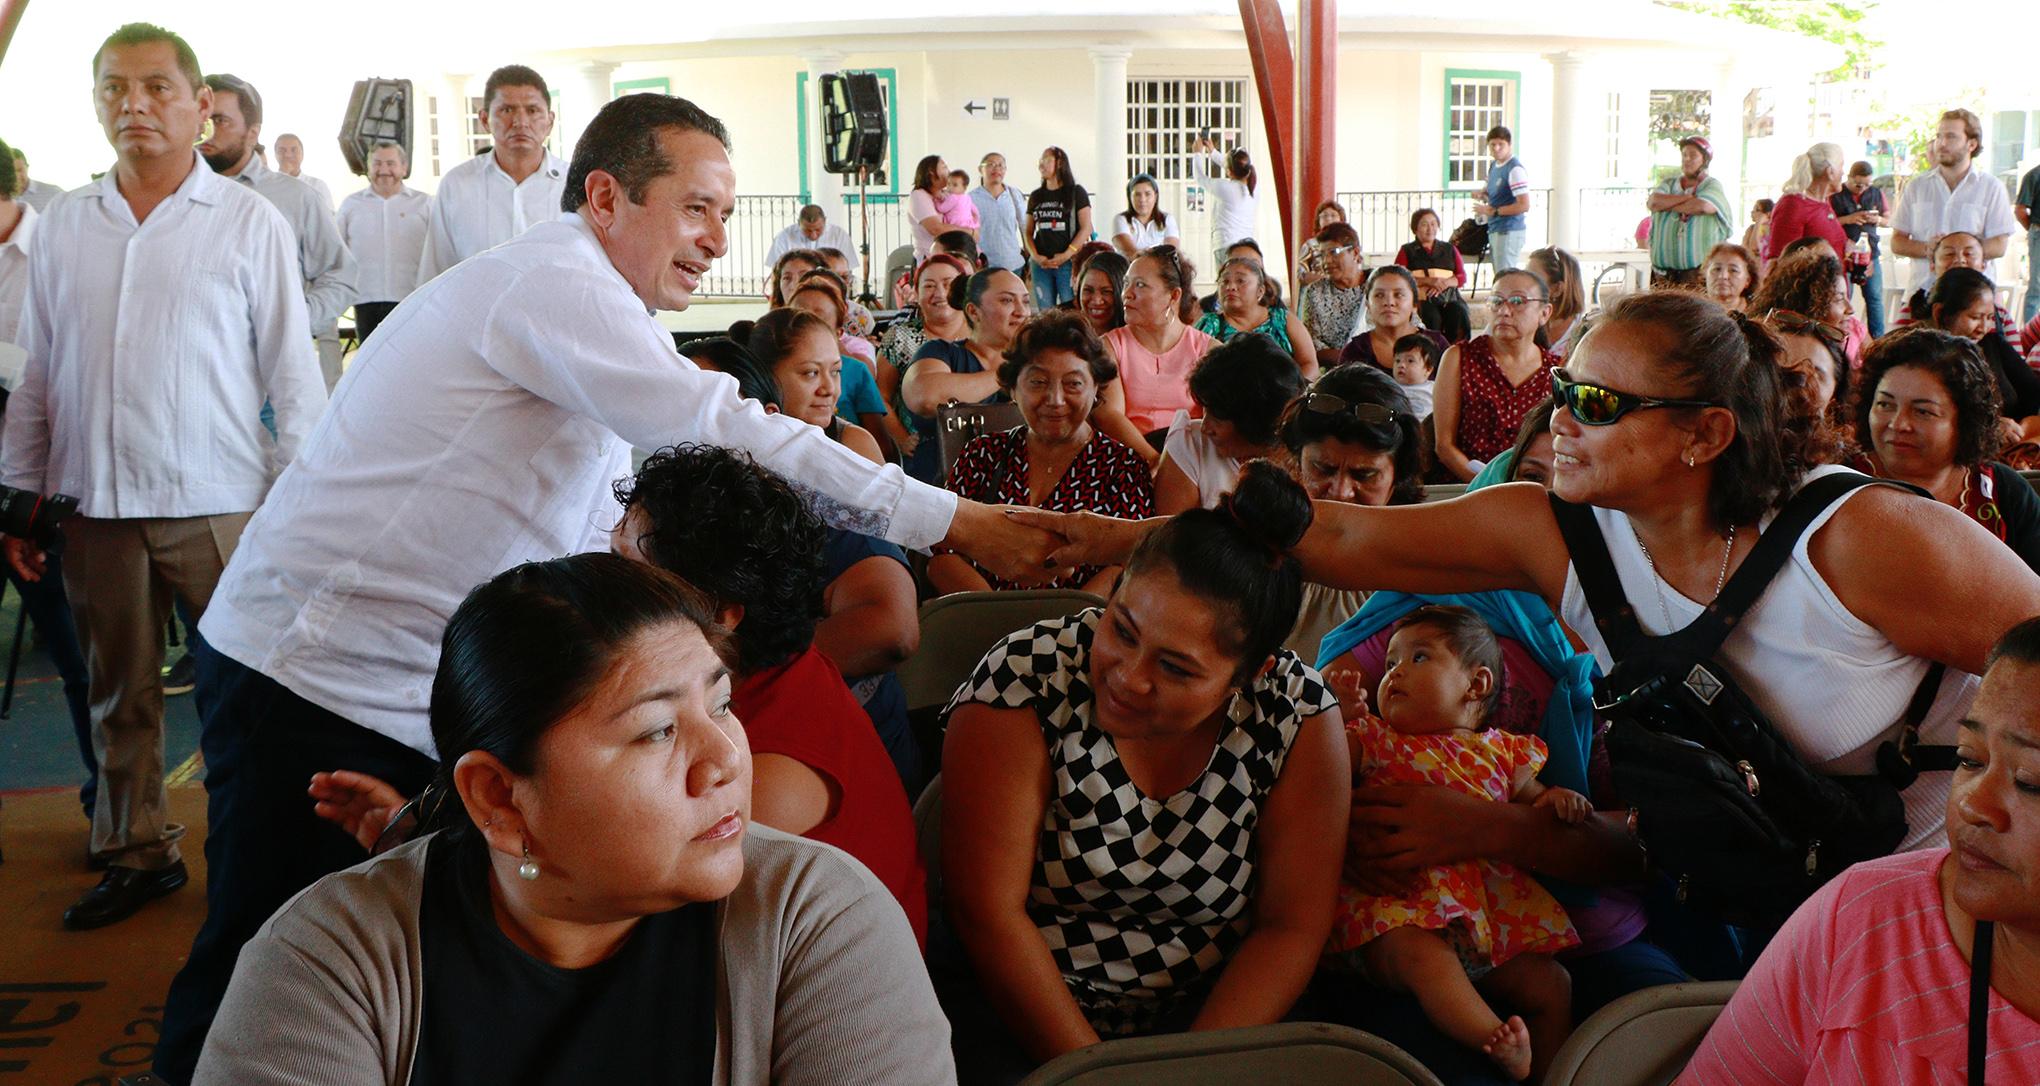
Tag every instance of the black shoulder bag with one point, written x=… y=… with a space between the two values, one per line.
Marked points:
x=1719 y=799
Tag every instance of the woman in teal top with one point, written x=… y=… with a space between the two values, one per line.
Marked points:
x=1249 y=301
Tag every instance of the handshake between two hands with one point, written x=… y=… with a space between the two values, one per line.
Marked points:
x=1035 y=546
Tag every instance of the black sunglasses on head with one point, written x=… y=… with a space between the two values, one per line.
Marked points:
x=1324 y=403
x=1599 y=405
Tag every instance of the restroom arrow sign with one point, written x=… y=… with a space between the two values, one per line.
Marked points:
x=972 y=108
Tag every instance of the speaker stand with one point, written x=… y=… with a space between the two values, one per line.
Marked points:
x=868 y=299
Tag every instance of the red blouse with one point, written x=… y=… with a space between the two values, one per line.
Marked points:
x=1491 y=409
x=1106 y=478
x=1795 y=217
x=802 y=710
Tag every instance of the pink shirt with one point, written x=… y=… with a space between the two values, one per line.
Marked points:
x=1864 y=985
x=1157 y=385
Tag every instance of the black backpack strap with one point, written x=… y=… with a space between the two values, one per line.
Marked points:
x=1596 y=570
x=1704 y=635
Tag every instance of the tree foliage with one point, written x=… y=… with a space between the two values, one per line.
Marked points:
x=1826 y=20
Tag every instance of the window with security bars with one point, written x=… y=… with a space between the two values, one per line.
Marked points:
x=1165 y=116
x=432 y=134
x=1473 y=105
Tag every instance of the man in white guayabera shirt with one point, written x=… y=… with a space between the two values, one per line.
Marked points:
x=164 y=306
x=492 y=198
x=482 y=427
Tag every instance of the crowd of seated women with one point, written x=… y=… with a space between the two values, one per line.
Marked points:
x=671 y=840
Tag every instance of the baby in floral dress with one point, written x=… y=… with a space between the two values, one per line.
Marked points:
x=1464 y=932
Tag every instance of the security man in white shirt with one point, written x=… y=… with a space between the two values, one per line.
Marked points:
x=492 y=198
x=290 y=159
x=164 y=307
x=384 y=224
x=485 y=425
x=329 y=269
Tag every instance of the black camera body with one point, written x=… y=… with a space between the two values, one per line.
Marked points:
x=31 y=516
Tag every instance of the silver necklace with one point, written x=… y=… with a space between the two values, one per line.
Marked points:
x=1658 y=582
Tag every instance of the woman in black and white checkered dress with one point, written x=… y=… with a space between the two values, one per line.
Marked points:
x=1144 y=806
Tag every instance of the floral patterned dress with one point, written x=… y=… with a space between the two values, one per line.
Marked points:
x=1490 y=912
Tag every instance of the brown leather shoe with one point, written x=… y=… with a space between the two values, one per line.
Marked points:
x=122 y=892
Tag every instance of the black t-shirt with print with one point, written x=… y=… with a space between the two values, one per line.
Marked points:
x=1055 y=216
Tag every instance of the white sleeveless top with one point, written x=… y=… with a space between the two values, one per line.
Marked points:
x=1833 y=685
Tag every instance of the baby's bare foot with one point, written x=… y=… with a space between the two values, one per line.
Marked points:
x=1509 y=1047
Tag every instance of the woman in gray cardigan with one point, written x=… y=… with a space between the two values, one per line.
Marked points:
x=599 y=907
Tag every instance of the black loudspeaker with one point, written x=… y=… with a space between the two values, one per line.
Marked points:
x=853 y=123
x=379 y=111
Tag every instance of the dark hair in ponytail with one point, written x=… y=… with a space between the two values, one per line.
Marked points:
x=526 y=649
x=1710 y=353
x=1237 y=557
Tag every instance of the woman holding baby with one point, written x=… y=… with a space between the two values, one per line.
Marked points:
x=1672 y=429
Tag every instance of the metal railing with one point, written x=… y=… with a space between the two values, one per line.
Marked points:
x=1382 y=219
x=1607 y=220
x=757 y=220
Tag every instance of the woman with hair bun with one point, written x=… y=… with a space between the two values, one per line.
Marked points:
x=1079 y=754
x=1672 y=431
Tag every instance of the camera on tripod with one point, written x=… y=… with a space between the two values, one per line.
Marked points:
x=31 y=516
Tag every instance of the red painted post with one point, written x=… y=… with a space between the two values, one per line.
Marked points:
x=1275 y=84
x=10 y=17
x=1316 y=156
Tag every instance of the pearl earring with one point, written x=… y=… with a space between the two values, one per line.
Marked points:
x=528 y=870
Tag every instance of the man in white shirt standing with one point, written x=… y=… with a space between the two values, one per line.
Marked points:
x=384 y=224
x=44 y=600
x=485 y=427
x=812 y=230
x=290 y=159
x=328 y=268
x=36 y=194
x=1952 y=197
x=164 y=307
x=492 y=198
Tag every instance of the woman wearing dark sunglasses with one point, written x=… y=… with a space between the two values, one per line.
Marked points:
x=1674 y=428
x=1487 y=384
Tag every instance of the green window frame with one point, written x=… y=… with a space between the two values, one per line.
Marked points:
x=1457 y=130
x=661 y=84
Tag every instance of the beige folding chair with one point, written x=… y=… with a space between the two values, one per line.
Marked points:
x=958 y=629
x=1642 y=1039
x=957 y=423
x=1288 y=1052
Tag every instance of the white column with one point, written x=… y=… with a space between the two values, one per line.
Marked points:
x=1725 y=134
x=590 y=91
x=824 y=188
x=1106 y=179
x=1576 y=124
